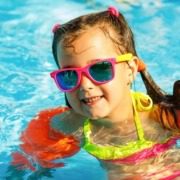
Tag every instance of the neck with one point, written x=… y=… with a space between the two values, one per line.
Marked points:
x=104 y=131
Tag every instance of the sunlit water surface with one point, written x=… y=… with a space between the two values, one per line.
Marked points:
x=26 y=60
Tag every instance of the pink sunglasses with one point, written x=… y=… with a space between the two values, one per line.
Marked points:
x=99 y=72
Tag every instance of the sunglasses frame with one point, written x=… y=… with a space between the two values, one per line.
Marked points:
x=85 y=70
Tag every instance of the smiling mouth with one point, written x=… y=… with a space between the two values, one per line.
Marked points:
x=91 y=100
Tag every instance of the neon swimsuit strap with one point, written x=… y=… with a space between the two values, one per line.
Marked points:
x=121 y=151
x=138 y=100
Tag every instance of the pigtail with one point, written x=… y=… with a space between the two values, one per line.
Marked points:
x=158 y=95
x=153 y=90
x=167 y=106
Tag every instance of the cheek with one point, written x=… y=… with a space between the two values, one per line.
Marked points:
x=71 y=97
x=117 y=87
x=121 y=77
x=118 y=83
x=73 y=100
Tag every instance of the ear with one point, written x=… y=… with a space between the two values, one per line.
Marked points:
x=133 y=68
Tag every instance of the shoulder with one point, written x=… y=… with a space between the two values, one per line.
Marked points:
x=69 y=122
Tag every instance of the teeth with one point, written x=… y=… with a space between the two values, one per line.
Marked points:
x=92 y=99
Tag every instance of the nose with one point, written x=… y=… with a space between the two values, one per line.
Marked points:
x=86 y=83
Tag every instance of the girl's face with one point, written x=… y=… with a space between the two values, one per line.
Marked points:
x=91 y=100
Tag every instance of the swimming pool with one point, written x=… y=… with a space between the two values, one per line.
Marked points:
x=26 y=60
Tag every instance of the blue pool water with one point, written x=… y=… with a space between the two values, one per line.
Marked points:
x=26 y=60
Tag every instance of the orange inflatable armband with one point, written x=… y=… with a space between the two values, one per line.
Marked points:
x=42 y=144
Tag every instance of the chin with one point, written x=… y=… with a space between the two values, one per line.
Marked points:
x=94 y=118
x=94 y=114
x=97 y=116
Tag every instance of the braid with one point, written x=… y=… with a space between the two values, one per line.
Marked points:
x=153 y=90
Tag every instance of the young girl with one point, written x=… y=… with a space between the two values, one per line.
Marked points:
x=133 y=135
